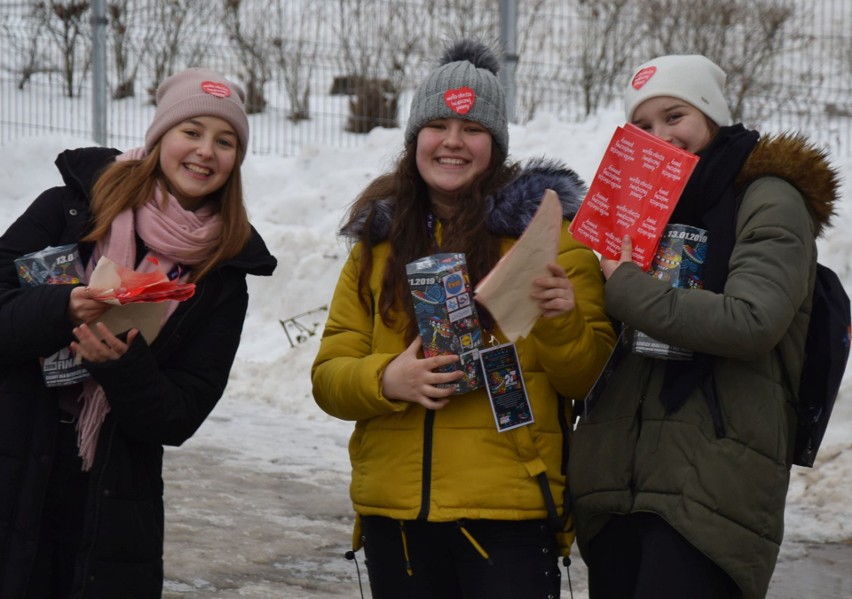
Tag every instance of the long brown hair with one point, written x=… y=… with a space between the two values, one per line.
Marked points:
x=130 y=184
x=409 y=236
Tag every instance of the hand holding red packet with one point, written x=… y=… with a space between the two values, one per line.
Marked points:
x=132 y=287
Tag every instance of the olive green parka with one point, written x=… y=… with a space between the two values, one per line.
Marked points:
x=725 y=494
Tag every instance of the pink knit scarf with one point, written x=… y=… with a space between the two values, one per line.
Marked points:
x=173 y=236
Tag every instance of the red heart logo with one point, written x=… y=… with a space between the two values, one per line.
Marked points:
x=642 y=77
x=460 y=100
x=220 y=90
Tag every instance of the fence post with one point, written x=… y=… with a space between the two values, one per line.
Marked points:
x=509 y=43
x=99 y=87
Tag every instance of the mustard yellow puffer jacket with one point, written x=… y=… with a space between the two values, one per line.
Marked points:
x=451 y=464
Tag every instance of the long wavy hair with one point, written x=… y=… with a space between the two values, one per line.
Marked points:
x=411 y=238
x=131 y=184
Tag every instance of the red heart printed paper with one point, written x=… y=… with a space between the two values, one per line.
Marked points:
x=460 y=100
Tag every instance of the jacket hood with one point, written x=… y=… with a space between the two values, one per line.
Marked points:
x=508 y=211
x=793 y=158
x=81 y=167
x=255 y=258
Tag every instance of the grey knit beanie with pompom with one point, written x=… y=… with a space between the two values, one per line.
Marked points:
x=464 y=86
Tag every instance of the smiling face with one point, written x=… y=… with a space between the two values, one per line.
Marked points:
x=196 y=157
x=675 y=121
x=451 y=154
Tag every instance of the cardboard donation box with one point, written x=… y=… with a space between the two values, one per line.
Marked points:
x=54 y=265
x=635 y=189
x=446 y=314
x=679 y=261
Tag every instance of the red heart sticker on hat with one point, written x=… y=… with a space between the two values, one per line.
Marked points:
x=220 y=90
x=460 y=100
x=642 y=77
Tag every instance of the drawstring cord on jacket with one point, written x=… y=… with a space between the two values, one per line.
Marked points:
x=350 y=555
x=460 y=525
x=476 y=545
x=408 y=567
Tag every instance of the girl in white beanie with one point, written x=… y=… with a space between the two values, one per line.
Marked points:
x=680 y=470
x=447 y=506
x=81 y=489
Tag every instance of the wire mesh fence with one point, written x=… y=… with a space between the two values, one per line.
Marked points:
x=326 y=71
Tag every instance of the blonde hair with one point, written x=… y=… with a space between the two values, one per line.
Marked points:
x=130 y=184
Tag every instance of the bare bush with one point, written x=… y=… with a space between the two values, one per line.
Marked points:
x=379 y=41
x=749 y=39
x=66 y=23
x=24 y=36
x=535 y=40
x=170 y=37
x=295 y=54
x=372 y=107
x=608 y=36
x=126 y=54
x=251 y=37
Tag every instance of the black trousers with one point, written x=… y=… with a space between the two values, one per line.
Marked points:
x=640 y=556
x=443 y=562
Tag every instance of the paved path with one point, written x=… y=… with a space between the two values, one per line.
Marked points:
x=257 y=508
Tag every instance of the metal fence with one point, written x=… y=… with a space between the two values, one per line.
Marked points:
x=320 y=71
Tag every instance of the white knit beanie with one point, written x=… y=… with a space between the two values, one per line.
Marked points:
x=692 y=78
x=198 y=92
x=464 y=86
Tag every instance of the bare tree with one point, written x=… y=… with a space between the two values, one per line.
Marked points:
x=749 y=39
x=66 y=23
x=26 y=47
x=169 y=36
x=535 y=41
x=477 y=19
x=842 y=52
x=295 y=53
x=251 y=39
x=385 y=46
x=374 y=40
x=126 y=54
x=608 y=34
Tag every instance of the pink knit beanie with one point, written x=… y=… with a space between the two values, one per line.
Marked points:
x=198 y=92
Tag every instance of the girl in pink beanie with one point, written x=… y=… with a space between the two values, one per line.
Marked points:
x=81 y=489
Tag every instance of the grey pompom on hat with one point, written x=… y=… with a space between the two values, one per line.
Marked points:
x=464 y=86
x=691 y=77
x=198 y=92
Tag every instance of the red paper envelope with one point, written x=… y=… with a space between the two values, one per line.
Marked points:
x=135 y=287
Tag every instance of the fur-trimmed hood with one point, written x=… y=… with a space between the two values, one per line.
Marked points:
x=507 y=212
x=793 y=158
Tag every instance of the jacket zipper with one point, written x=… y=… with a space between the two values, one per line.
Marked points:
x=426 y=479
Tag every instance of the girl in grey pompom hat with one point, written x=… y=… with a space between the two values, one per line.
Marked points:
x=445 y=501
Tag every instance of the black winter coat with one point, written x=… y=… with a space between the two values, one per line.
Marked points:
x=158 y=395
